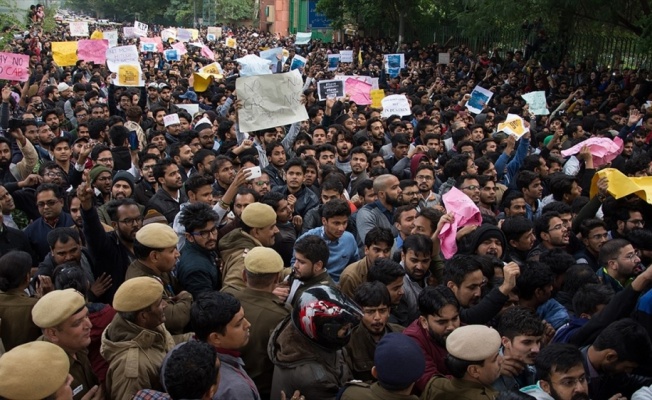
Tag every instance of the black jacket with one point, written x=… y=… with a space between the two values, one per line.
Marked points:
x=603 y=386
x=166 y=205
x=14 y=239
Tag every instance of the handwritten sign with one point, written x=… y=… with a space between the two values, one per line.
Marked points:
x=513 y=125
x=270 y=100
x=231 y=42
x=121 y=55
x=537 y=102
x=128 y=32
x=212 y=69
x=130 y=75
x=64 y=53
x=359 y=91
x=79 y=28
x=183 y=35
x=140 y=29
x=330 y=89
x=180 y=48
x=297 y=62
x=171 y=54
x=333 y=61
x=303 y=37
x=347 y=56
x=479 y=98
x=14 y=67
x=377 y=95
x=216 y=31
x=171 y=119
x=396 y=104
x=93 y=50
x=112 y=37
x=168 y=34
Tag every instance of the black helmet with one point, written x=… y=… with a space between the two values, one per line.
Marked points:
x=326 y=316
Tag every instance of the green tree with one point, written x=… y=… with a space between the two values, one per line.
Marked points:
x=234 y=10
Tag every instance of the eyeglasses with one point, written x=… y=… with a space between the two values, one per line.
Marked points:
x=423 y=178
x=82 y=115
x=147 y=167
x=131 y=221
x=571 y=382
x=52 y=174
x=470 y=187
x=556 y=227
x=207 y=233
x=49 y=203
x=262 y=183
x=631 y=256
x=105 y=160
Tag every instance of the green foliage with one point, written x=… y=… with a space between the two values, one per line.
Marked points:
x=49 y=24
x=234 y=10
x=181 y=12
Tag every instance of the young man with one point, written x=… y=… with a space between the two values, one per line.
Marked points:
x=392 y=275
x=404 y=218
x=378 y=244
x=359 y=163
x=552 y=232
x=619 y=261
x=535 y=293
x=341 y=244
x=304 y=198
x=311 y=255
x=519 y=233
x=594 y=236
x=168 y=198
x=529 y=183
x=425 y=177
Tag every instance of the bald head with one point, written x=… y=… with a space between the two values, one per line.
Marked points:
x=384 y=182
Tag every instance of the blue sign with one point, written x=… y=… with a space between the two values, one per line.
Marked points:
x=315 y=19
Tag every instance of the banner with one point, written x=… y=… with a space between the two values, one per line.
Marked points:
x=79 y=28
x=347 y=56
x=333 y=61
x=270 y=100
x=92 y=50
x=14 y=67
x=152 y=45
x=537 y=102
x=330 y=89
x=64 y=53
x=129 y=75
x=112 y=37
x=140 y=29
x=171 y=55
x=121 y=55
x=479 y=98
x=396 y=104
x=303 y=37
x=359 y=91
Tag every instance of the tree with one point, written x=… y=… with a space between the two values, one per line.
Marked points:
x=234 y=10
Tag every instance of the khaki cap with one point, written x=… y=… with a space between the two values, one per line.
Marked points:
x=56 y=307
x=157 y=236
x=137 y=294
x=263 y=260
x=473 y=342
x=258 y=215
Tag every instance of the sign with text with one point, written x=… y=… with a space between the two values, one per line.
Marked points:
x=92 y=50
x=140 y=29
x=333 y=61
x=154 y=44
x=112 y=37
x=215 y=30
x=130 y=75
x=171 y=54
x=330 y=89
x=479 y=99
x=14 y=67
x=121 y=55
x=537 y=102
x=347 y=56
x=396 y=104
x=79 y=28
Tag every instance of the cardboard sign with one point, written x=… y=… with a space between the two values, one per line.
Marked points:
x=121 y=55
x=128 y=32
x=210 y=37
x=513 y=125
x=303 y=37
x=330 y=89
x=537 y=102
x=140 y=29
x=112 y=37
x=333 y=61
x=207 y=52
x=64 y=53
x=347 y=56
x=93 y=50
x=396 y=104
x=479 y=98
x=130 y=75
x=171 y=54
x=171 y=119
x=212 y=69
x=79 y=28
x=14 y=67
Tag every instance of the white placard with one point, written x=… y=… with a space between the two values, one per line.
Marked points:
x=513 y=125
x=121 y=55
x=444 y=58
x=171 y=119
x=303 y=37
x=396 y=104
x=347 y=56
x=191 y=108
x=251 y=65
x=184 y=35
x=79 y=28
x=112 y=37
x=537 y=102
x=140 y=29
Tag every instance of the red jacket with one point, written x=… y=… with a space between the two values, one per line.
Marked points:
x=435 y=355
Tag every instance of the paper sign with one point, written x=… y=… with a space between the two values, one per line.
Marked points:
x=121 y=55
x=271 y=56
x=621 y=186
x=270 y=100
x=208 y=53
x=377 y=95
x=603 y=150
x=330 y=89
x=333 y=61
x=465 y=213
x=93 y=50
x=180 y=48
x=396 y=104
x=231 y=42
x=171 y=54
x=393 y=61
x=171 y=119
x=130 y=75
x=367 y=79
x=14 y=67
x=513 y=125
x=303 y=37
x=129 y=32
x=140 y=29
x=347 y=56
x=79 y=28
x=251 y=65
x=112 y=37
x=359 y=91
x=212 y=69
x=297 y=62
x=201 y=81
x=190 y=108
x=479 y=98
x=152 y=45
x=64 y=53
x=214 y=30
x=183 y=35
x=210 y=37
x=444 y=58
x=537 y=102
x=194 y=34
x=168 y=34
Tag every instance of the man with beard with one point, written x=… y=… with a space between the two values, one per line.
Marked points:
x=439 y=317
x=425 y=178
x=552 y=233
x=560 y=374
x=375 y=302
x=359 y=163
x=122 y=188
x=463 y=275
x=224 y=174
x=380 y=212
x=470 y=186
x=376 y=132
x=100 y=179
x=45 y=137
x=301 y=197
x=147 y=185
x=112 y=251
x=343 y=142
x=326 y=155
x=164 y=99
x=519 y=235
x=416 y=255
x=52 y=120
x=202 y=161
x=521 y=335
x=409 y=193
x=619 y=261
x=594 y=235
x=49 y=200
x=168 y=198
x=311 y=255
x=182 y=155
x=197 y=269
x=627 y=217
x=487 y=240
x=378 y=245
x=487 y=203
x=13 y=172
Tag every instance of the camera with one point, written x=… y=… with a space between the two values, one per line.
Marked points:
x=38 y=107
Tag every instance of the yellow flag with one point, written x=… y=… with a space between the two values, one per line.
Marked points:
x=377 y=96
x=129 y=75
x=97 y=35
x=621 y=185
x=64 y=53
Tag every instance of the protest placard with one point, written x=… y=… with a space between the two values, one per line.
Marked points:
x=297 y=62
x=359 y=91
x=112 y=37
x=130 y=75
x=479 y=98
x=92 y=50
x=207 y=52
x=190 y=108
x=444 y=58
x=212 y=69
x=251 y=65
x=393 y=61
x=168 y=34
x=303 y=37
x=210 y=37
x=396 y=104
x=180 y=47
x=14 y=67
x=171 y=119
x=271 y=56
x=64 y=53
x=128 y=32
x=231 y=42
x=215 y=30
x=140 y=29
x=537 y=102
x=330 y=89
x=347 y=56
x=270 y=100
x=153 y=44
x=194 y=34
x=367 y=79
x=79 y=28
x=121 y=55
x=171 y=54
x=377 y=95
x=333 y=61
x=513 y=125
x=183 y=35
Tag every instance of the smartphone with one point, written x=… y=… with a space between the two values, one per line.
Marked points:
x=133 y=140
x=15 y=123
x=255 y=172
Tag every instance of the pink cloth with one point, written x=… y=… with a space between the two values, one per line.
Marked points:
x=465 y=213
x=604 y=150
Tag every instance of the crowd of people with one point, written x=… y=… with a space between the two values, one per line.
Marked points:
x=346 y=256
